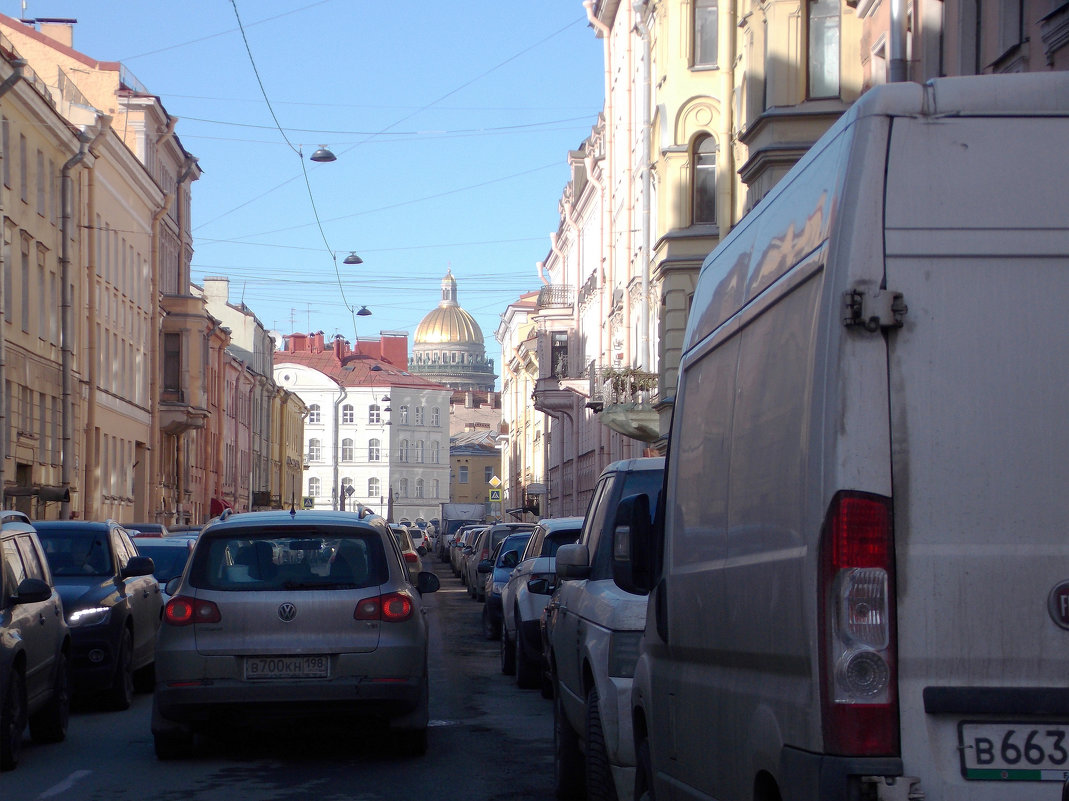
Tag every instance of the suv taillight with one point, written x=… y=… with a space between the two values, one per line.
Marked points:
x=183 y=611
x=393 y=607
x=859 y=671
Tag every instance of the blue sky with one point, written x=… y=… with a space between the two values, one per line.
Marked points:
x=451 y=122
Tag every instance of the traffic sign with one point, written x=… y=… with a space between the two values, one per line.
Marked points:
x=494 y=482
x=495 y=495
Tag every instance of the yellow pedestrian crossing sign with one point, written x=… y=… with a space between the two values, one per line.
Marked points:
x=495 y=495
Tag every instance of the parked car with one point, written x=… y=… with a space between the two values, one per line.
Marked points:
x=111 y=601
x=419 y=538
x=413 y=561
x=859 y=578
x=525 y=595
x=594 y=628
x=35 y=643
x=495 y=572
x=168 y=554
x=461 y=543
x=481 y=550
x=277 y=607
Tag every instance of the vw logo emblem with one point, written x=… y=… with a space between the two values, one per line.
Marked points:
x=286 y=612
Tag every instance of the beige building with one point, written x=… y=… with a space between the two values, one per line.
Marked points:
x=474 y=460
x=41 y=248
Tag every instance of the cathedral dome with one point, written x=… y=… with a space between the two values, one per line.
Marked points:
x=448 y=324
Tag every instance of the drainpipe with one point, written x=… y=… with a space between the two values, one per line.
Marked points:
x=89 y=475
x=897 y=66
x=67 y=305
x=647 y=184
x=334 y=449
x=725 y=205
x=17 y=66
x=589 y=163
x=155 y=328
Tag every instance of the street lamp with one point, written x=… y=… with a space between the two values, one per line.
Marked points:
x=364 y=312
x=352 y=258
x=323 y=155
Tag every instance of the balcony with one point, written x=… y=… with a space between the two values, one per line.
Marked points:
x=623 y=399
x=558 y=393
x=556 y=296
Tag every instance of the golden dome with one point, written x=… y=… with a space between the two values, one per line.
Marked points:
x=448 y=324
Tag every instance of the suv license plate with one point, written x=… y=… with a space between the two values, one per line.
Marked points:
x=1007 y=751
x=287 y=667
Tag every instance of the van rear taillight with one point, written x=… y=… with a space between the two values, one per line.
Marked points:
x=859 y=669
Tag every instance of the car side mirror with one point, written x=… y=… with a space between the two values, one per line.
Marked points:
x=632 y=538
x=573 y=561
x=33 y=591
x=539 y=586
x=427 y=582
x=485 y=566
x=139 y=566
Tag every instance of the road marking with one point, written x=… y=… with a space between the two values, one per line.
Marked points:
x=66 y=784
x=439 y=723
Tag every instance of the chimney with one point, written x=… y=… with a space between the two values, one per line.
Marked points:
x=59 y=30
x=341 y=348
x=296 y=343
x=394 y=349
x=316 y=342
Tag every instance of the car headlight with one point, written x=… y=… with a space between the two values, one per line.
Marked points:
x=93 y=616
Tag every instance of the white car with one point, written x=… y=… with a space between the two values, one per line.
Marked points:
x=593 y=632
x=525 y=596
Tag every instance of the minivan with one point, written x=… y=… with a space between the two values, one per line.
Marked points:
x=859 y=574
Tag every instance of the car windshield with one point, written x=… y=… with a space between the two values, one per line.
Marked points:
x=77 y=553
x=293 y=559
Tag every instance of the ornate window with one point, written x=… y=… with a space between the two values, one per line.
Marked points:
x=315 y=450
x=402 y=452
x=704 y=179
x=404 y=415
x=403 y=486
x=419 y=415
x=419 y=487
x=434 y=453
x=373 y=450
x=436 y=417
x=348 y=452
x=419 y=451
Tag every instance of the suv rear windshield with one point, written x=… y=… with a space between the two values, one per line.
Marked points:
x=291 y=559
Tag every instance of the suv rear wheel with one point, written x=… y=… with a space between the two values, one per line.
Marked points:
x=599 y=781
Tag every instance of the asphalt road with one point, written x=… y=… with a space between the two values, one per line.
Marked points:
x=488 y=740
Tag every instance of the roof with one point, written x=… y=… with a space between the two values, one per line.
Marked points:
x=355 y=370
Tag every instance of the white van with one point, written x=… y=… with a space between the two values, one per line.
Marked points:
x=859 y=577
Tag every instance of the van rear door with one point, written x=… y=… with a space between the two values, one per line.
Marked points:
x=977 y=240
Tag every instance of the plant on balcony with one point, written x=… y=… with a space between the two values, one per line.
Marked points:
x=629 y=383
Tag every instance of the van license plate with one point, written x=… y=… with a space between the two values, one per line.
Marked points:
x=287 y=667
x=1007 y=751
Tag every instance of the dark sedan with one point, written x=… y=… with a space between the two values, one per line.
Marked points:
x=112 y=604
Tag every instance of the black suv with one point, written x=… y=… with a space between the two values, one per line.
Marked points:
x=35 y=643
x=112 y=603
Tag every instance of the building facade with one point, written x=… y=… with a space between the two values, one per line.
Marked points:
x=375 y=435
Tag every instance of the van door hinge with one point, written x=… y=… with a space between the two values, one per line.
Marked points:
x=873 y=310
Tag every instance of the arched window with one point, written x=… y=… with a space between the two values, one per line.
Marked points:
x=436 y=488
x=315 y=486
x=374 y=413
x=419 y=451
x=419 y=487
x=348 y=414
x=373 y=490
x=373 y=450
x=434 y=453
x=436 y=417
x=419 y=415
x=314 y=414
x=403 y=485
x=315 y=450
x=404 y=415
x=704 y=180
x=402 y=452
x=348 y=452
